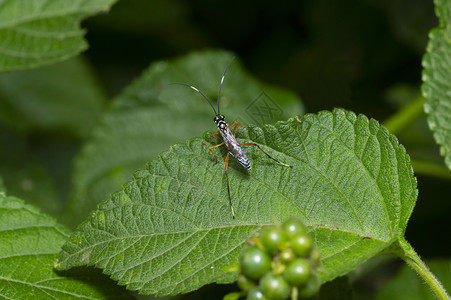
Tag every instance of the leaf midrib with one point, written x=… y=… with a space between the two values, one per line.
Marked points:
x=192 y=231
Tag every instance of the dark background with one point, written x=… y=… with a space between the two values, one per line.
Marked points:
x=333 y=53
x=353 y=54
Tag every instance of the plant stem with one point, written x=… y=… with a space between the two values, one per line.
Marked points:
x=405 y=116
x=294 y=293
x=406 y=252
x=432 y=169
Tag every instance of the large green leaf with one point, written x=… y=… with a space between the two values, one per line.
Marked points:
x=38 y=32
x=437 y=78
x=64 y=97
x=170 y=229
x=29 y=242
x=151 y=115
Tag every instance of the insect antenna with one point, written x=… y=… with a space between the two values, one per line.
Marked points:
x=222 y=81
x=197 y=90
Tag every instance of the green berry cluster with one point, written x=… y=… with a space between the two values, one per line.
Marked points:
x=280 y=262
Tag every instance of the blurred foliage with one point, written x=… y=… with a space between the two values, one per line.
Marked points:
x=60 y=97
x=23 y=176
x=407 y=285
x=387 y=277
x=332 y=53
x=44 y=113
x=41 y=32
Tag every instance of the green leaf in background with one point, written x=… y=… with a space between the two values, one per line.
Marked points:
x=49 y=103
x=414 y=133
x=39 y=32
x=437 y=77
x=29 y=242
x=338 y=289
x=170 y=229
x=60 y=97
x=407 y=284
x=24 y=176
x=150 y=115
x=410 y=23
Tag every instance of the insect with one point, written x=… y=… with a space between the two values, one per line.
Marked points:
x=233 y=147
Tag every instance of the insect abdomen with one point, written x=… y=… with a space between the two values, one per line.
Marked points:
x=244 y=162
x=241 y=158
x=233 y=146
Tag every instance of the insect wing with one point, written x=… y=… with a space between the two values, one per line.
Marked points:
x=234 y=147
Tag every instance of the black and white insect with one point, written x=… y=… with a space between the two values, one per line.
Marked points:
x=233 y=147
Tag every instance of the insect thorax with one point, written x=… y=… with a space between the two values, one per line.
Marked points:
x=219 y=120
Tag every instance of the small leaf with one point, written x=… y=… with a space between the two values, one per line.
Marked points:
x=436 y=78
x=170 y=229
x=29 y=242
x=150 y=115
x=408 y=285
x=51 y=98
x=43 y=32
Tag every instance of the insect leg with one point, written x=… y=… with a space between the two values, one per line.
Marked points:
x=256 y=145
x=237 y=123
x=228 y=186
x=212 y=147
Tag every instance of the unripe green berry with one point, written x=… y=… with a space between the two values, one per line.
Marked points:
x=275 y=287
x=255 y=294
x=301 y=244
x=271 y=238
x=287 y=255
x=292 y=227
x=298 y=272
x=254 y=262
